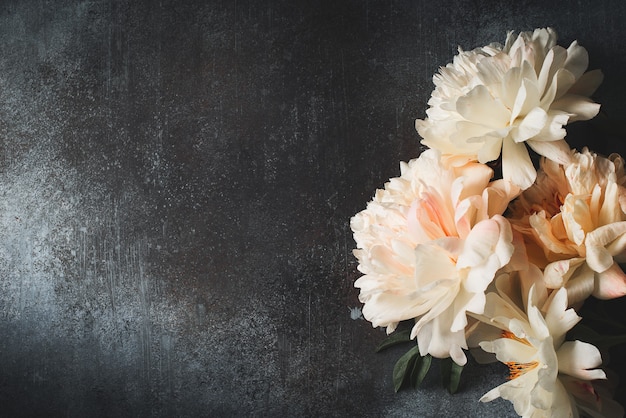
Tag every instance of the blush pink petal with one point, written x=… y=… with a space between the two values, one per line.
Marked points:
x=611 y=283
x=413 y=234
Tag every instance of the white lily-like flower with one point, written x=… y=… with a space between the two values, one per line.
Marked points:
x=491 y=101
x=574 y=223
x=549 y=377
x=429 y=244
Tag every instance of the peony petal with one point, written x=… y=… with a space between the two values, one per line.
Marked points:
x=610 y=284
x=543 y=230
x=563 y=405
x=488 y=247
x=451 y=245
x=577 y=59
x=553 y=130
x=499 y=312
x=465 y=215
x=431 y=217
x=526 y=100
x=437 y=308
x=385 y=260
x=432 y=264
x=473 y=179
x=479 y=244
x=483 y=332
x=554 y=60
x=617 y=248
x=605 y=234
x=576 y=218
x=491 y=71
x=517 y=166
x=510 y=87
x=537 y=321
x=531 y=125
x=587 y=398
x=464 y=302
x=587 y=84
x=515 y=288
x=580 y=286
x=468 y=137
x=435 y=338
x=579 y=107
x=579 y=359
x=556 y=274
x=547 y=374
x=558 y=318
x=529 y=74
x=598 y=258
x=491 y=395
x=557 y=151
x=506 y=192
x=518 y=391
x=595 y=204
x=519 y=258
x=563 y=80
x=611 y=211
x=490 y=150
x=531 y=284
x=510 y=350
x=385 y=309
x=480 y=107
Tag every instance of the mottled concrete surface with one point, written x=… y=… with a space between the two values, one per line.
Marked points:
x=176 y=181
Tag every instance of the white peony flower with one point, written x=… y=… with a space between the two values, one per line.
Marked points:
x=429 y=244
x=493 y=100
x=549 y=377
x=574 y=223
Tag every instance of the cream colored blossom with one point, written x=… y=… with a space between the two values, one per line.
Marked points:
x=491 y=101
x=549 y=377
x=429 y=244
x=574 y=223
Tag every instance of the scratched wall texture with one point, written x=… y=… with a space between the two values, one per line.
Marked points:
x=176 y=182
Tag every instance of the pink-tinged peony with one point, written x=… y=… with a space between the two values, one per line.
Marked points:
x=495 y=100
x=549 y=377
x=574 y=223
x=429 y=244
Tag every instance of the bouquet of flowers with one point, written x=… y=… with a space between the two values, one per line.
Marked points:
x=496 y=236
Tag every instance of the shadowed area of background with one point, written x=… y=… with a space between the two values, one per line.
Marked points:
x=176 y=183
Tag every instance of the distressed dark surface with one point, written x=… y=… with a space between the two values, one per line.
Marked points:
x=176 y=182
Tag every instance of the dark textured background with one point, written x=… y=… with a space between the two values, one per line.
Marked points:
x=176 y=182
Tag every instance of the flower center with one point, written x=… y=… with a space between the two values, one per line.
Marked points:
x=517 y=369
x=511 y=336
x=552 y=207
x=435 y=212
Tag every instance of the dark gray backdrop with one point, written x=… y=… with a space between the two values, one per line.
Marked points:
x=176 y=182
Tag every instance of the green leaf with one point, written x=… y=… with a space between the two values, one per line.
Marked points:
x=420 y=369
x=450 y=374
x=404 y=366
x=396 y=338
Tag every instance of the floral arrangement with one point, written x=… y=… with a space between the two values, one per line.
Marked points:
x=495 y=237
